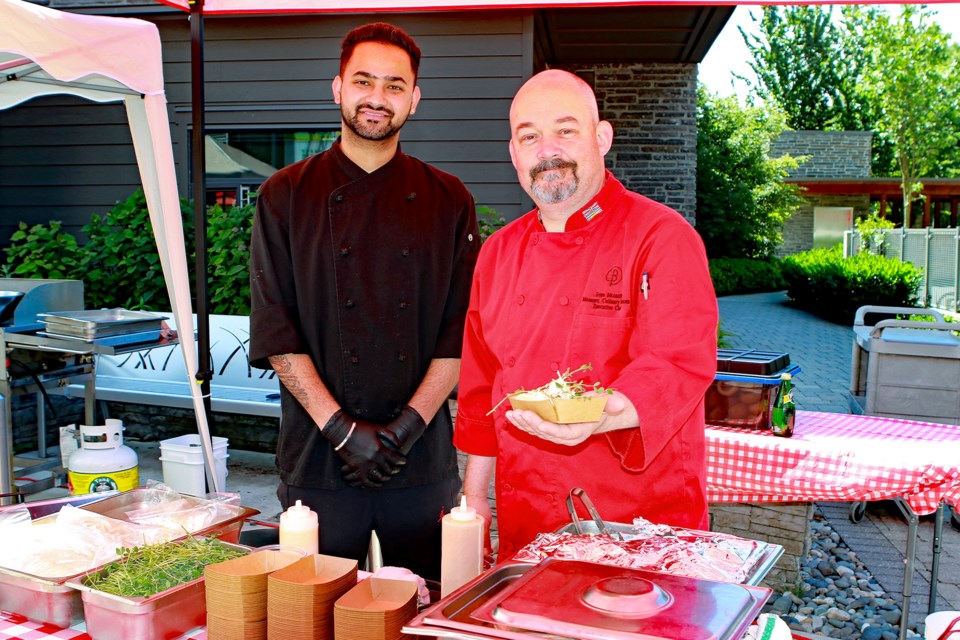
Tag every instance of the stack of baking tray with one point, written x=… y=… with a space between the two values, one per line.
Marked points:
x=111 y=327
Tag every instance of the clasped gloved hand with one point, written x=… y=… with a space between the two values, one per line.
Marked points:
x=403 y=431
x=369 y=463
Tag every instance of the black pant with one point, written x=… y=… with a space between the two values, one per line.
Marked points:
x=407 y=522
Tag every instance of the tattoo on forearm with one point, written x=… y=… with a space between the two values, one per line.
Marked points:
x=281 y=364
x=284 y=368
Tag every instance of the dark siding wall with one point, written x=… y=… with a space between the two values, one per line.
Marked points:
x=67 y=159
x=63 y=158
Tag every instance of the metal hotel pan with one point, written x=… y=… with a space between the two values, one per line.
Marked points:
x=167 y=614
x=48 y=598
x=759 y=564
x=90 y=325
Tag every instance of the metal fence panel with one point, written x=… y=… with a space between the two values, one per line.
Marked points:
x=935 y=251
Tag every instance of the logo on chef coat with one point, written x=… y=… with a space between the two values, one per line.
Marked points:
x=614 y=276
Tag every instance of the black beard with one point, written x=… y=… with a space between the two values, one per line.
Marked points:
x=367 y=132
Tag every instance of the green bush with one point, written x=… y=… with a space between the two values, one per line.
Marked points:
x=743 y=275
x=42 y=251
x=826 y=284
x=120 y=265
x=228 y=251
x=489 y=220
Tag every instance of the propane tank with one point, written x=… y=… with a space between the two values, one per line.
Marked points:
x=103 y=462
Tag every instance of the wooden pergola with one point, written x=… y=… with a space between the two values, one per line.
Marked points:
x=941 y=196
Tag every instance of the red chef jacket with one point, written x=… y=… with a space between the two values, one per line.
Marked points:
x=626 y=288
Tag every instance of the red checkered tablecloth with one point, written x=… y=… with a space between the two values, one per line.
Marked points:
x=837 y=457
x=14 y=626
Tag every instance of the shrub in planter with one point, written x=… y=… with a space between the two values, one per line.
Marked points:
x=826 y=284
x=743 y=275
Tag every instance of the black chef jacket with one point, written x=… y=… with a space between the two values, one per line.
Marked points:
x=369 y=275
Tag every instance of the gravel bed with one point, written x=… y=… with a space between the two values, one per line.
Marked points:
x=837 y=596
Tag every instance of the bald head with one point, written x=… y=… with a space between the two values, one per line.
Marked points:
x=557 y=143
x=556 y=81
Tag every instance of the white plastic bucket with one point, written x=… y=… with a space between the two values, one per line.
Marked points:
x=183 y=465
x=936 y=623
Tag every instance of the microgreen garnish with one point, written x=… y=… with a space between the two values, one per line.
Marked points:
x=144 y=571
x=561 y=387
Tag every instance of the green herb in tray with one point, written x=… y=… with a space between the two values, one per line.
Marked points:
x=144 y=571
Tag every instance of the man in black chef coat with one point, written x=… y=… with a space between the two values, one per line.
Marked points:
x=360 y=271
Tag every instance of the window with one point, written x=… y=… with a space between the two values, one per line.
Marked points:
x=239 y=161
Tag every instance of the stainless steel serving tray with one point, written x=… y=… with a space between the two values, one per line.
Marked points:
x=450 y=617
x=167 y=614
x=580 y=599
x=101 y=323
x=49 y=599
x=757 y=565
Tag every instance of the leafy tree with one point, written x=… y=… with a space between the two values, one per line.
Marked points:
x=870 y=70
x=812 y=65
x=911 y=75
x=796 y=58
x=742 y=199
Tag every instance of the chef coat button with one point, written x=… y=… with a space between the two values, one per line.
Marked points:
x=402 y=357
x=555 y=366
x=511 y=362
x=536 y=240
x=579 y=241
x=349 y=303
x=551 y=498
x=405 y=252
x=508 y=487
x=469 y=237
x=520 y=299
x=564 y=300
x=403 y=304
x=355 y=359
x=411 y=197
x=338 y=197
x=344 y=250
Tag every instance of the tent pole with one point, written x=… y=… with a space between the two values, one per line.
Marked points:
x=198 y=106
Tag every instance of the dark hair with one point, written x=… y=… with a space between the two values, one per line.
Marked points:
x=382 y=33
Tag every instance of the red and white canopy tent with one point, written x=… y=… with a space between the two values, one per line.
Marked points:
x=46 y=52
x=365 y=6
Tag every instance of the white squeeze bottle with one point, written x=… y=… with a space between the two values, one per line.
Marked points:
x=299 y=528
x=461 y=557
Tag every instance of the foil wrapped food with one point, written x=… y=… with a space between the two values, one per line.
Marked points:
x=652 y=547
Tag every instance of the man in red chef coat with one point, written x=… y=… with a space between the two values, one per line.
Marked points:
x=595 y=274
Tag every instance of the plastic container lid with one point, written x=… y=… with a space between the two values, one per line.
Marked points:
x=751 y=361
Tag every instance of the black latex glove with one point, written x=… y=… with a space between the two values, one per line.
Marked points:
x=403 y=431
x=369 y=463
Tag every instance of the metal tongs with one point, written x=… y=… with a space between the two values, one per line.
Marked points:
x=577 y=492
